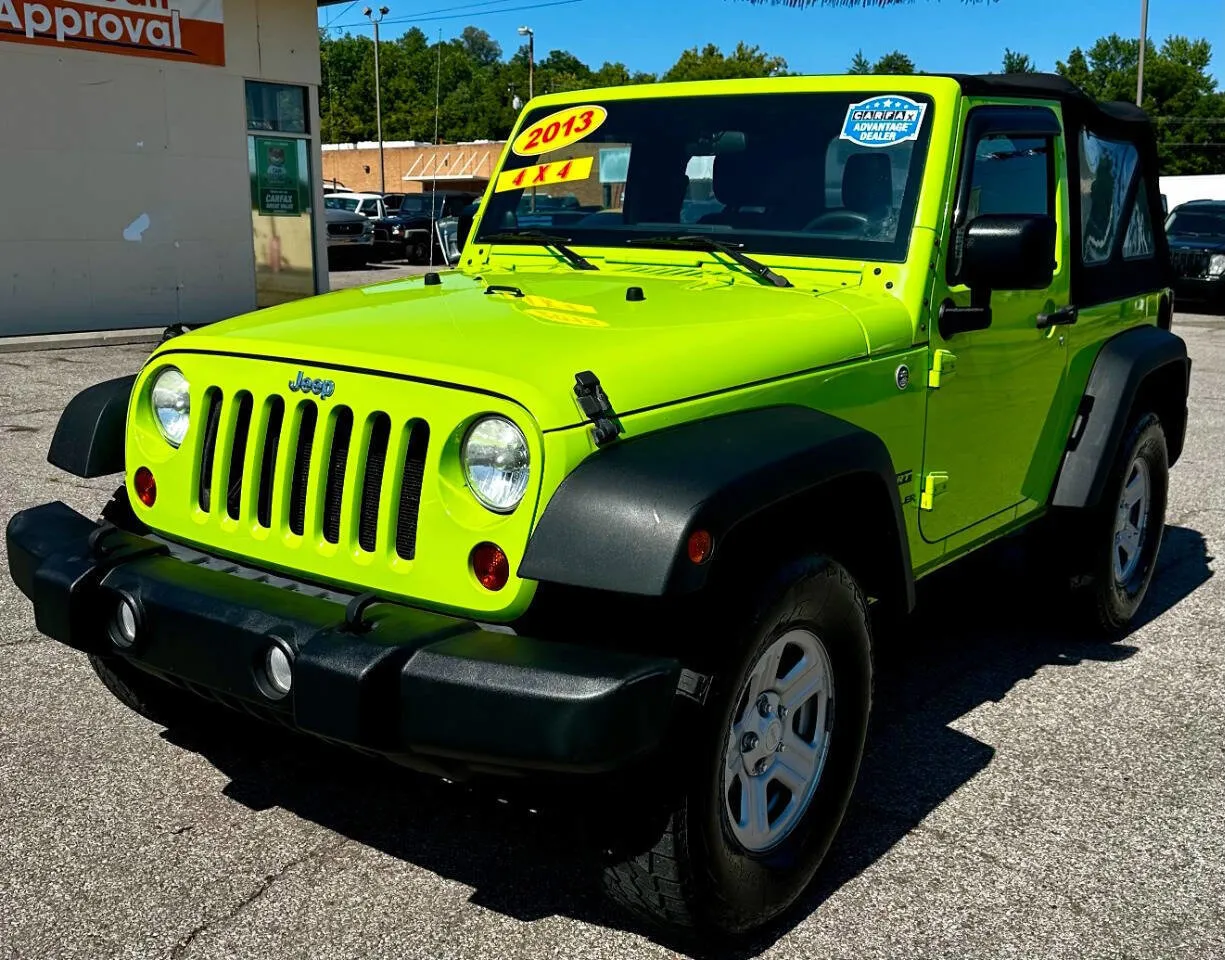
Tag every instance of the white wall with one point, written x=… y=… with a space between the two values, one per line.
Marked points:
x=90 y=142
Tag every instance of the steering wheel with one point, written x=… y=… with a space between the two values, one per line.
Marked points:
x=839 y=220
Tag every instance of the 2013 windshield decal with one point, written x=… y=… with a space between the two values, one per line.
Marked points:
x=883 y=121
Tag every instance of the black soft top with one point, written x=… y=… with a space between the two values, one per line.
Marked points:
x=1115 y=120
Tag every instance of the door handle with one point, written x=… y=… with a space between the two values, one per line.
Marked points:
x=1064 y=316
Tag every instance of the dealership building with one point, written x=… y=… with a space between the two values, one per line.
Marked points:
x=161 y=161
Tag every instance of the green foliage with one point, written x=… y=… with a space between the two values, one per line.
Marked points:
x=478 y=86
x=1179 y=94
x=894 y=62
x=711 y=64
x=1017 y=62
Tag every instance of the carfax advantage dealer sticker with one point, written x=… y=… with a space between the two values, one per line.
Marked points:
x=883 y=121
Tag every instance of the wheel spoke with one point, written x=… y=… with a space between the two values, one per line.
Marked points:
x=766 y=672
x=799 y=756
x=805 y=679
x=754 y=811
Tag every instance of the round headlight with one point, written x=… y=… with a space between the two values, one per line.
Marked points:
x=172 y=405
x=496 y=463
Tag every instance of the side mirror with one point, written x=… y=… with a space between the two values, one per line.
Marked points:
x=1009 y=252
x=1000 y=252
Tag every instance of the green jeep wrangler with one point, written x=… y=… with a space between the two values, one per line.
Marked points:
x=723 y=368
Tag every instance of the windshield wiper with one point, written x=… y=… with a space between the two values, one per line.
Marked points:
x=709 y=244
x=538 y=238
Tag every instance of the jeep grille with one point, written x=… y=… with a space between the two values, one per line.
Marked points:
x=258 y=442
x=1191 y=263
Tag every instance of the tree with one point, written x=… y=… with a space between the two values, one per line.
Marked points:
x=1017 y=62
x=480 y=46
x=711 y=64
x=894 y=62
x=859 y=64
x=1180 y=95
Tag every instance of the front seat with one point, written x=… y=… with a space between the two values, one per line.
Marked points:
x=867 y=185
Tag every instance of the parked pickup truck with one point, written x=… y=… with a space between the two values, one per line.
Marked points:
x=619 y=500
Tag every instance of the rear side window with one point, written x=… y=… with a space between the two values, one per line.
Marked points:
x=1138 y=243
x=1107 y=168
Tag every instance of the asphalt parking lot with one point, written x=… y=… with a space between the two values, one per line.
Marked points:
x=1027 y=792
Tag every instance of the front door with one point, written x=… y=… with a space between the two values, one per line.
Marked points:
x=989 y=442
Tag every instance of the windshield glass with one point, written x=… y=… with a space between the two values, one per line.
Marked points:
x=1198 y=223
x=818 y=174
x=340 y=203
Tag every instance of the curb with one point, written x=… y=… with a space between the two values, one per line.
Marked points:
x=72 y=341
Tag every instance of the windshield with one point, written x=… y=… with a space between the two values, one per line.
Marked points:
x=1196 y=223
x=817 y=174
x=340 y=203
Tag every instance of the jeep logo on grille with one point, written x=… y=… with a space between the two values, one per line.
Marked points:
x=321 y=388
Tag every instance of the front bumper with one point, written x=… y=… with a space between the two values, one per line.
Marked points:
x=1199 y=290
x=431 y=691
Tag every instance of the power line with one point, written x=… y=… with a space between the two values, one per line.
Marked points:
x=463 y=16
x=329 y=20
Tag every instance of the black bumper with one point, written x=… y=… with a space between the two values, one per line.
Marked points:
x=1200 y=291
x=428 y=690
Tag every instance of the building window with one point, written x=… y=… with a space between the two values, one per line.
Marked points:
x=276 y=106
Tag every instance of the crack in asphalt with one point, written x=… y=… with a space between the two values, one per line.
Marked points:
x=181 y=948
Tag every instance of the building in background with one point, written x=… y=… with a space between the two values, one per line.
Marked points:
x=412 y=166
x=161 y=160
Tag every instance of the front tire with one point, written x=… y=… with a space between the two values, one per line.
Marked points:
x=144 y=693
x=755 y=821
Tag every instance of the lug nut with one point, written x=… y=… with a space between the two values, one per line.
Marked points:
x=748 y=742
x=763 y=705
x=760 y=768
x=782 y=712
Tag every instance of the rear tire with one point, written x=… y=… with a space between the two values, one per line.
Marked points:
x=709 y=867
x=1122 y=537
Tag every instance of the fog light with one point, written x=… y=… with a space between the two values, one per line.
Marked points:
x=490 y=566
x=146 y=486
x=124 y=625
x=279 y=670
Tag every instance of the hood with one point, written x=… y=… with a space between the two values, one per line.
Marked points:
x=1185 y=241
x=334 y=215
x=689 y=335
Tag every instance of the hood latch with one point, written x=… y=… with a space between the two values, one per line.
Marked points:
x=595 y=404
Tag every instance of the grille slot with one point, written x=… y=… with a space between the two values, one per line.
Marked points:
x=212 y=420
x=376 y=459
x=338 y=459
x=238 y=455
x=1191 y=263
x=410 y=490
x=301 y=468
x=267 y=470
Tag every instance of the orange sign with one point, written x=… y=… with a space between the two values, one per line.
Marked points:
x=544 y=174
x=558 y=130
x=189 y=30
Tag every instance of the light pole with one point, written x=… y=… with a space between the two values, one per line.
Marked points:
x=1143 y=44
x=378 y=106
x=531 y=59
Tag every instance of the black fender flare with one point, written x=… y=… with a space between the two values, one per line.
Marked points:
x=1143 y=360
x=88 y=440
x=621 y=520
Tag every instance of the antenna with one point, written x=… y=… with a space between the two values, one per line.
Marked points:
x=434 y=183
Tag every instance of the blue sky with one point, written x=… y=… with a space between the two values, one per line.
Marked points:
x=940 y=35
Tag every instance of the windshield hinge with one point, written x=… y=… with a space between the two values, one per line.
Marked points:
x=595 y=405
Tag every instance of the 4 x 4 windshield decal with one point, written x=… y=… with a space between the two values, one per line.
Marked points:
x=883 y=121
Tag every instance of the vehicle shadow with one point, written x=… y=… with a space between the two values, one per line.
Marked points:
x=977 y=634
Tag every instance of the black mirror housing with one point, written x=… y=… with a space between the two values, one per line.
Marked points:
x=1009 y=252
